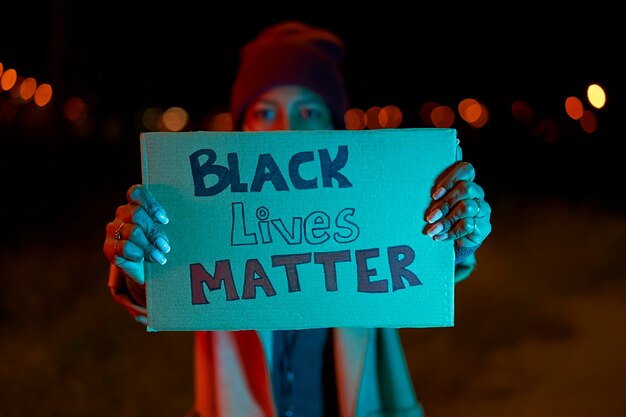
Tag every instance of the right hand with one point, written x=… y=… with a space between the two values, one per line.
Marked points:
x=139 y=238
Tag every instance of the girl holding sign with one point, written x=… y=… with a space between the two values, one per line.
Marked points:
x=289 y=79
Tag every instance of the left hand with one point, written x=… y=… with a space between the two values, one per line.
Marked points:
x=459 y=210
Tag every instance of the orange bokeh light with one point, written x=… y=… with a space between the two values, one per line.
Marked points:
x=9 y=77
x=390 y=117
x=74 y=108
x=28 y=88
x=442 y=116
x=371 y=118
x=469 y=110
x=574 y=107
x=43 y=94
x=588 y=122
x=355 y=119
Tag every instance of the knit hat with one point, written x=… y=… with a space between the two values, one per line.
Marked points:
x=291 y=52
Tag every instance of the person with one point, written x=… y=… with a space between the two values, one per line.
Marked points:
x=290 y=78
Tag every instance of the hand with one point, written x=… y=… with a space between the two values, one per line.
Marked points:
x=134 y=236
x=459 y=210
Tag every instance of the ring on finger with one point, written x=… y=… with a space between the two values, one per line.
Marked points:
x=118 y=233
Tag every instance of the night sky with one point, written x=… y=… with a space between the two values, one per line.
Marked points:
x=121 y=59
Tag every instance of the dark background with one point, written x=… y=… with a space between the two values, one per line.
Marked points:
x=539 y=325
x=124 y=57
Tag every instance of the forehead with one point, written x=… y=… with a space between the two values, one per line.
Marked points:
x=285 y=94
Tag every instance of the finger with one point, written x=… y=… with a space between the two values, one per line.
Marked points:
x=128 y=258
x=149 y=243
x=121 y=254
x=118 y=250
x=463 y=190
x=483 y=228
x=108 y=248
x=131 y=250
x=110 y=244
x=136 y=239
x=484 y=208
x=136 y=215
x=445 y=219
x=134 y=270
x=139 y=194
x=460 y=171
x=471 y=232
x=466 y=227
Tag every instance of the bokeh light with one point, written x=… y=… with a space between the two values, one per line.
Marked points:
x=8 y=80
x=150 y=119
x=175 y=119
x=354 y=119
x=28 y=87
x=220 y=122
x=588 y=122
x=574 y=107
x=43 y=94
x=371 y=117
x=426 y=110
x=469 y=110
x=473 y=112
x=74 y=109
x=596 y=96
x=442 y=116
x=390 y=117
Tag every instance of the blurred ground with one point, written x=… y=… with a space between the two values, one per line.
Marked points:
x=539 y=326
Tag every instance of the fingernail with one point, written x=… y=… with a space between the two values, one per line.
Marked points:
x=434 y=229
x=439 y=193
x=162 y=245
x=161 y=216
x=158 y=257
x=434 y=216
x=441 y=237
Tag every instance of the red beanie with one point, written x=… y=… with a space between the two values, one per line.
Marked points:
x=291 y=53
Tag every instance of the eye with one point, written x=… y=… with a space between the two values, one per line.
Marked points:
x=264 y=114
x=311 y=113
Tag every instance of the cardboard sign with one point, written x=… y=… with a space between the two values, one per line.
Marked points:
x=298 y=229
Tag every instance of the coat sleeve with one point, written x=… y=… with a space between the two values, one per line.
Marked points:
x=464 y=268
x=129 y=294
